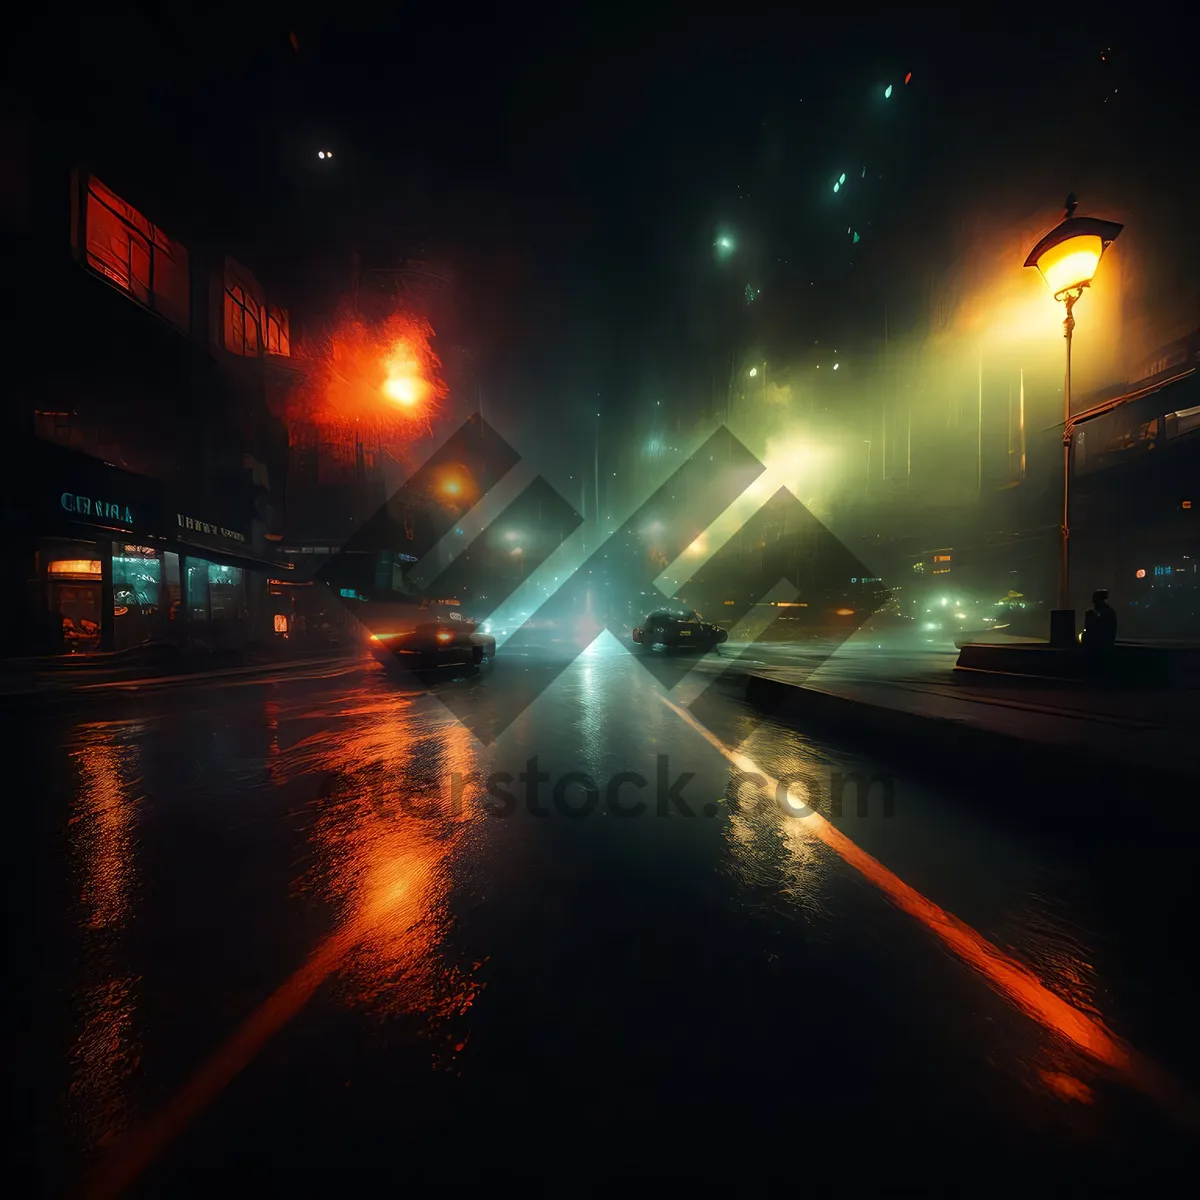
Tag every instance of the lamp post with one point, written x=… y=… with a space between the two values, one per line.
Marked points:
x=1067 y=258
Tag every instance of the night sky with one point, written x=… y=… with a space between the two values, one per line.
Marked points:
x=578 y=170
x=574 y=170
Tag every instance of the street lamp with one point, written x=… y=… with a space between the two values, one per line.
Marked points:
x=1067 y=258
x=753 y=373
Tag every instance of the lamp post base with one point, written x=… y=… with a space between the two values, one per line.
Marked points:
x=1062 y=628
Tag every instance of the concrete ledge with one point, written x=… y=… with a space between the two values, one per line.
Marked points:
x=1064 y=753
x=1125 y=663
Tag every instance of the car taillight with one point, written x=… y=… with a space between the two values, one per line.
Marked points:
x=445 y=636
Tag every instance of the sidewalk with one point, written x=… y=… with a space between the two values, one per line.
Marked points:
x=149 y=669
x=1144 y=732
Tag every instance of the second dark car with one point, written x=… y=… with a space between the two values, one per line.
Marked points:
x=683 y=630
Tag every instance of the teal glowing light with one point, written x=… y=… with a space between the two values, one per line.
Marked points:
x=887 y=95
x=837 y=187
x=724 y=244
x=843 y=178
x=856 y=237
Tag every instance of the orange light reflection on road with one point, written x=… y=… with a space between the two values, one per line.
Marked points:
x=1005 y=974
x=384 y=867
x=106 y=1050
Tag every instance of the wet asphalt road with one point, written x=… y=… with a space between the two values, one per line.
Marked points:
x=262 y=938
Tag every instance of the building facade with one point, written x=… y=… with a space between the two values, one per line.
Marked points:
x=1135 y=523
x=134 y=403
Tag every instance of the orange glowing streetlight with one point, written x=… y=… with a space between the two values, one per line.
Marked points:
x=454 y=483
x=403 y=391
x=404 y=384
x=1067 y=259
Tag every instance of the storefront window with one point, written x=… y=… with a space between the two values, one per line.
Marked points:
x=137 y=577
x=172 y=598
x=73 y=604
x=137 y=594
x=227 y=590
x=197 y=589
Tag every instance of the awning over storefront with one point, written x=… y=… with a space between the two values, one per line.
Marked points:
x=226 y=558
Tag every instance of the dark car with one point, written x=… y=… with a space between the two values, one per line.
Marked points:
x=425 y=638
x=680 y=629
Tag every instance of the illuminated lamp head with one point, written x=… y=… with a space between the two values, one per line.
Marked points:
x=1068 y=256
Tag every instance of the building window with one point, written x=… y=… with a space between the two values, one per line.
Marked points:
x=227 y=589
x=1186 y=420
x=75 y=567
x=135 y=255
x=196 y=574
x=241 y=322
x=252 y=327
x=277 y=336
x=137 y=577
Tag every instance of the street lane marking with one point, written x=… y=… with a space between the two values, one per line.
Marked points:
x=1010 y=978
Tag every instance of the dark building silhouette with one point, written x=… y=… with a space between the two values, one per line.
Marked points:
x=140 y=354
x=1135 y=463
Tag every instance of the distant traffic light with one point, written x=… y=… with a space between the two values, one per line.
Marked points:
x=887 y=92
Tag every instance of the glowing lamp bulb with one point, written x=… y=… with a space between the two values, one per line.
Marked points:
x=753 y=372
x=1067 y=257
x=1071 y=263
x=401 y=390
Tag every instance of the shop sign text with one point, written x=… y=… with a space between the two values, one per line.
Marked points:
x=88 y=506
x=209 y=528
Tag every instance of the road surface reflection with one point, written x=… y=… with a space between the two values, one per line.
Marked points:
x=383 y=844
x=103 y=840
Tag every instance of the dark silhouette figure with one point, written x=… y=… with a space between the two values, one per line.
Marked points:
x=1099 y=625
